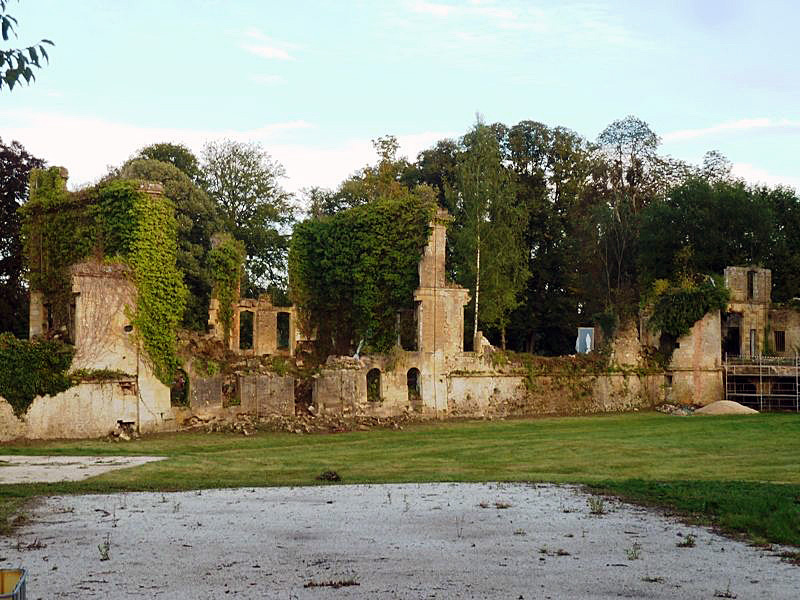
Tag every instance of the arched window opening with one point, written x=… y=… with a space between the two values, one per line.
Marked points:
x=246 y=330
x=283 y=330
x=374 y=385
x=414 y=395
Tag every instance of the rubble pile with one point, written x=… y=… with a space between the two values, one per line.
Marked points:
x=679 y=410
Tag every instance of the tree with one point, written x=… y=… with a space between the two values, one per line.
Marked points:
x=16 y=63
x=487 y=242
x=197 y=220
x=15 y=167
x=704 y=226
x=177 y=155
x=243 y=180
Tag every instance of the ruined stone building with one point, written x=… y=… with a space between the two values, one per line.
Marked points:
x=97 y=321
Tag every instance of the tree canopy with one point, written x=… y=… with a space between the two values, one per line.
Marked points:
x=15 y=167
x=16 y=63
x=244 y=182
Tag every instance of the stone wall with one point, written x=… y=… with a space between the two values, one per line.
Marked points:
x=87 y=410
x=266 y=394
x=788 y=321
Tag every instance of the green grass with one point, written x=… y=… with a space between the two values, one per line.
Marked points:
x=739 y=473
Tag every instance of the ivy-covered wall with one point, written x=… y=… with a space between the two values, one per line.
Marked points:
x=124 y=222
x=226 y=263
x=32 y=368
x=351 y=272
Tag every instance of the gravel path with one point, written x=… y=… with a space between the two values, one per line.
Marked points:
x=382 y=541
x=33 y=469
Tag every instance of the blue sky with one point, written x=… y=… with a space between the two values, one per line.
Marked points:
x=314 y=82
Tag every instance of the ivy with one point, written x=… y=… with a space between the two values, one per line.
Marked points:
x=676 y=308
x=161 y=291
x=226 y=261
x=32 y=368
x=351 y=272
x=115 y=221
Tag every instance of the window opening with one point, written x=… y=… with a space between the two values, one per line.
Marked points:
x=414 y=395
x=753 y=347
x=751 y=284
x=283 y=330
x=246 y=330
x=780 y=341
x=374 y=385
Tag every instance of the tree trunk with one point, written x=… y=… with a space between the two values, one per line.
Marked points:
x=477 y=287
x=503 y=337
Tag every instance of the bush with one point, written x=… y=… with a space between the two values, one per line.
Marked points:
x=32 y=368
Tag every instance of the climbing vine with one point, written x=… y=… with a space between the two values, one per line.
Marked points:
x=32 y=368
x=351 y=272
x=117 y=221
x=676 y=307
x=226 y=260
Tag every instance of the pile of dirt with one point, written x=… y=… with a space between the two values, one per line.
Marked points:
x=725 y=407
x=307 y=423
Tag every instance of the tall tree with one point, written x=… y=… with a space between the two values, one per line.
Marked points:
x=16 y=63
x=244 y=181
x=177 y=155
x=488 y=246
x=197 y=219
x=15 y=167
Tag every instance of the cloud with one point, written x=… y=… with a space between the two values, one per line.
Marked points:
x=581 y=23
x=266 y=47
x=731 y=127
x=104 y=143
x=757 y=175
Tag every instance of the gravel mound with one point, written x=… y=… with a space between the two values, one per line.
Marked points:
x=725 y=407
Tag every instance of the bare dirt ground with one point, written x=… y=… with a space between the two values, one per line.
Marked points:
x=380 y=541
x=33 y=469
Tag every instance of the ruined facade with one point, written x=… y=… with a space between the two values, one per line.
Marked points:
x=98 y=325
x=439 y=378
x=258 y=327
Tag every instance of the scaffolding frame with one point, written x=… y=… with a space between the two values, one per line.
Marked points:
x=768 y=382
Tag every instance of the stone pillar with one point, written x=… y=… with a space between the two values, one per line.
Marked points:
x=37 y=317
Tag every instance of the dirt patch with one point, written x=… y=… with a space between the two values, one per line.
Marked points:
x=49 y=469
x=382 y=541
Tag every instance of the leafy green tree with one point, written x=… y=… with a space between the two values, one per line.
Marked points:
x=704 y=226
x=244 y=182
x=15 y=167
x=553 y=172
x=197 y=219
x=351 y=272
x=17 y=63
x=177 y=155
x=488 y=246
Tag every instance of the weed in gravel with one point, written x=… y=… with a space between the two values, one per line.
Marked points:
x=597 y=506
x=688 y=542
x=726 y=594
x=649 y=579
x=104 y=548
x=520 y=532
x=634 y=552
x=502 y=505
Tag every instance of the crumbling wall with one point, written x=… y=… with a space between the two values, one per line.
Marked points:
x=266 y=394
x=89 y=409
x=788 y=321
x=694 y=375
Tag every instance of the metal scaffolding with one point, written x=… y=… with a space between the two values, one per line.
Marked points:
x=763 y=382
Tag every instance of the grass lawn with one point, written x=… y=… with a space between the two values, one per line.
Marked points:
x=741 y=473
